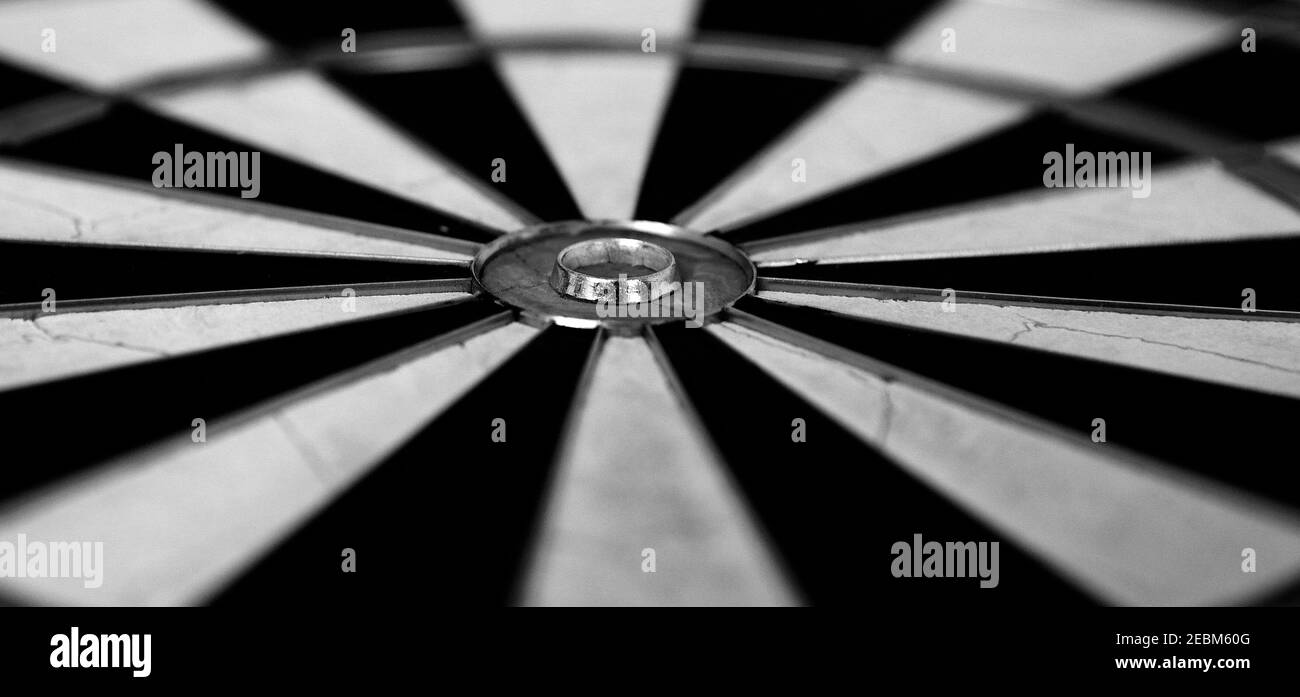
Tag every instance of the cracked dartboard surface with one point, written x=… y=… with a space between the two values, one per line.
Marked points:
x=351 y=353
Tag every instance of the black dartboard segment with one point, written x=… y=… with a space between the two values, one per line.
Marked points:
x=466 y=114
x=21 y=86
x=717 y=120
x=124 y=142
x=1222 y=432
x=1210 y=274
x=874 y=24
x=323 y=22
x=1005 y=162
x=448 y=515
x=79 y=272
x=122 y=408
x=832 y=505
x=1238 y=93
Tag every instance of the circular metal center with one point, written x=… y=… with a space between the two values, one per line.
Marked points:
x=615 y=269
x=619 y=275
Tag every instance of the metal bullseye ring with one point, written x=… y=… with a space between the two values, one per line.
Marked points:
x=568 y=277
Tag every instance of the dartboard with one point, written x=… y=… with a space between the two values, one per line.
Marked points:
x=634 y=302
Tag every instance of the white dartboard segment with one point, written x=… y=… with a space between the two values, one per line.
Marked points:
x=114 y=44
x=498 y=18
x=1194 y=202
x=1131 y=536
x=64 y=344
x=229 y=500
x=597 y=116
x=1257 y=354
x=876 y=124
x=48 y=204
x=301 y=115
x=637 y=473
x=1073 y=46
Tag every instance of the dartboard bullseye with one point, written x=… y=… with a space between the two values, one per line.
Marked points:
x=684 y=277
x=599 y=269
